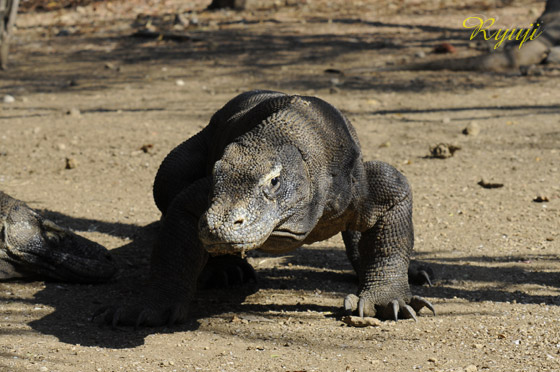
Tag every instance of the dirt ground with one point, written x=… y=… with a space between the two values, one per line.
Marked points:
x=115 y=105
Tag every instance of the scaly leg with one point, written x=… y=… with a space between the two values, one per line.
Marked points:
x=384 y=248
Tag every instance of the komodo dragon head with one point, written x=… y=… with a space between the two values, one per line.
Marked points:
x=261 y=193
x=34 y=245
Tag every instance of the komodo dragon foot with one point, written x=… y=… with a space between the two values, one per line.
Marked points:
x=367 y=305
x=152 y=310
x=156 y=308
x=226 y=271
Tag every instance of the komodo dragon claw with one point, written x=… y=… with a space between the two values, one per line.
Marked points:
x=421 y=275
x=391 y=310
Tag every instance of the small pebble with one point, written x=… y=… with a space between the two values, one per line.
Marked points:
x=444 y=48
x=9 y=99
x=180 y=83
x=420 y=54
x=443 y=150
x=74 y=112
x=472 y=129
x=71 y=163
x=63 y=32
x=181 y=20
x=490 y=185
x=356 y=321
x=147 y=148
x=332 y=71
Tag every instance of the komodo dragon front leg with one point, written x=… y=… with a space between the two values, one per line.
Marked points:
x=380 y=254
x=178 y=258
x=178 y=262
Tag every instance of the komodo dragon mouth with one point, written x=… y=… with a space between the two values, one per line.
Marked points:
x=284 y=233
x=281 y=239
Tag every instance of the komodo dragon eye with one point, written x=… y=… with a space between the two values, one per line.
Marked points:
x=273 y=187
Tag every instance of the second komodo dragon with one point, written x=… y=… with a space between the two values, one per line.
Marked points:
x=273 y=172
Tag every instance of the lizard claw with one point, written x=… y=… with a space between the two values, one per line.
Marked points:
x=389 y=311
x=408 y=312
x=395 y=304
x=417 y=303
x=115 y=317
x=178 y=314
x=351 y=303
x=361 y=306
x=100 y=311
x=421 y=275
x=426 y=277
x=394 y=309
x=142 y=317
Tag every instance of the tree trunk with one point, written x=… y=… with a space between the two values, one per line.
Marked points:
x=8 y=12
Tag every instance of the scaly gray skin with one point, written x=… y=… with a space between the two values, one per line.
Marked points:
x=274 y=172
x=32 y=246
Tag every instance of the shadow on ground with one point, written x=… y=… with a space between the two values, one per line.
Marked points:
x=311 y=269
x=254 y=49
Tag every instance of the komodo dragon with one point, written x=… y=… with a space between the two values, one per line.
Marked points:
x=273 y=172
x=33 y=246
x=511 y=57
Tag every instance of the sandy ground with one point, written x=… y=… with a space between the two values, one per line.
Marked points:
x=86 y=91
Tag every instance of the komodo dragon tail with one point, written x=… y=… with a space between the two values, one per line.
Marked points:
x=31 y=246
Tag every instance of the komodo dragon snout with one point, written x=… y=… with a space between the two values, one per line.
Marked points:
x=257 y=194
